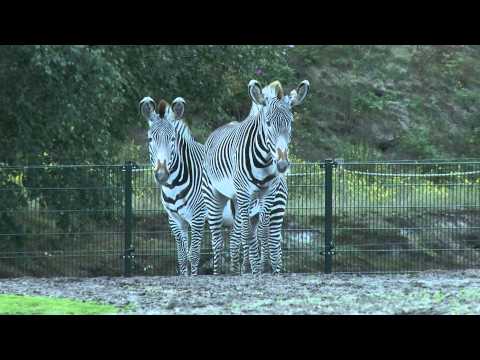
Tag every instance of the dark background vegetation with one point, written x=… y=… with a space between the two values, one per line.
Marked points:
x=78 y=103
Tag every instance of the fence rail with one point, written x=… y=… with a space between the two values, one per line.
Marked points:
x=92 y=220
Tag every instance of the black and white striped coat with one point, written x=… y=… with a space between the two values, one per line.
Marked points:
x=177 y=161
x=243 y=161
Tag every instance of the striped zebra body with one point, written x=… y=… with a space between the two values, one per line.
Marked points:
x=242 y=162
x=269 y=232
x=177 y=160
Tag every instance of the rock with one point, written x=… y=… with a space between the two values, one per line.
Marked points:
x=198 y=305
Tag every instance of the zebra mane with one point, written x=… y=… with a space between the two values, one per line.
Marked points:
x=254 y=111
x=183 y=130
x=270 y=91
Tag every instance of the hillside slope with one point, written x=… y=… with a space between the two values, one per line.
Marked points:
x=372 y=102
x=383 y=102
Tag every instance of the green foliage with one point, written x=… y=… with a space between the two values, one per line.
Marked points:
x=61 y=104
x=359 y=152
x=64 y=190
x=366 y=94
x=83 y=99
x=417 y=144
x=77 y=104
x=211 y=78
x=12 y=197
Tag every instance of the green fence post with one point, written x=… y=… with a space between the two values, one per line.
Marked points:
x=328 y=215
x=127 y=254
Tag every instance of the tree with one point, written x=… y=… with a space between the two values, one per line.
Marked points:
x=75 y=104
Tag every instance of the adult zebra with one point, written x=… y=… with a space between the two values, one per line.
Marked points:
x=272 y=211
x=177 y=160
x=242 y=161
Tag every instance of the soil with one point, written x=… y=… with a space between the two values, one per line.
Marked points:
x=416 y=293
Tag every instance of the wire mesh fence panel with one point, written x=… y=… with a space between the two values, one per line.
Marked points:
x=302 y=235
x=303 y=227
x=386 y=217
x=61 y=221
x=406 y=216
x=154 y=244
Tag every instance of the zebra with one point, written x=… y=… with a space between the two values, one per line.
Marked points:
x=177 y=163
x=269 y=233
x=242 y=161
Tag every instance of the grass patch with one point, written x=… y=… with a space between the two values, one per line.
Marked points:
x=40 y=305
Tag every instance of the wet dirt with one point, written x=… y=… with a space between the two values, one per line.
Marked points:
x=438 y=292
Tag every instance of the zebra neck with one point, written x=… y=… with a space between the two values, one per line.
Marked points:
x=181 y=164
x=183 y=131
x=259 y=161
x=261 y=155
x=183 y=159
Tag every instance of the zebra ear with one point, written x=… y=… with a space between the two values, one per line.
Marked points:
x=178 y=107
x=255 y=92
x=297 y=96
x=147 y=107
x=279 y=91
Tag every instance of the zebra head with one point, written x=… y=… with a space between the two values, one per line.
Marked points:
x=162 y=142
x=276 y=112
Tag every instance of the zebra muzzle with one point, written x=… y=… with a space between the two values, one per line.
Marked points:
x=282 y=154
x=161 y=172
x=282 y=160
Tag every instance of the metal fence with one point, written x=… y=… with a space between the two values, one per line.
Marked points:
x=89 y=220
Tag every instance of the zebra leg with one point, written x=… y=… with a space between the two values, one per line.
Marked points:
x=275 y=247
x=215 y=203
x=275 y=243
x=196 y=242
x=246 y=258
x=243 y=220
x=180 y=231
x=263 y=238
x=235 y=245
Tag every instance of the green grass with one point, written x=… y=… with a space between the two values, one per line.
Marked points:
x=39 y=305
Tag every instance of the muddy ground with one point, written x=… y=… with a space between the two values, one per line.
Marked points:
x=418 y=293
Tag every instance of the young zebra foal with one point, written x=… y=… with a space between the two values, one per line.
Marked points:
x=177 y=164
